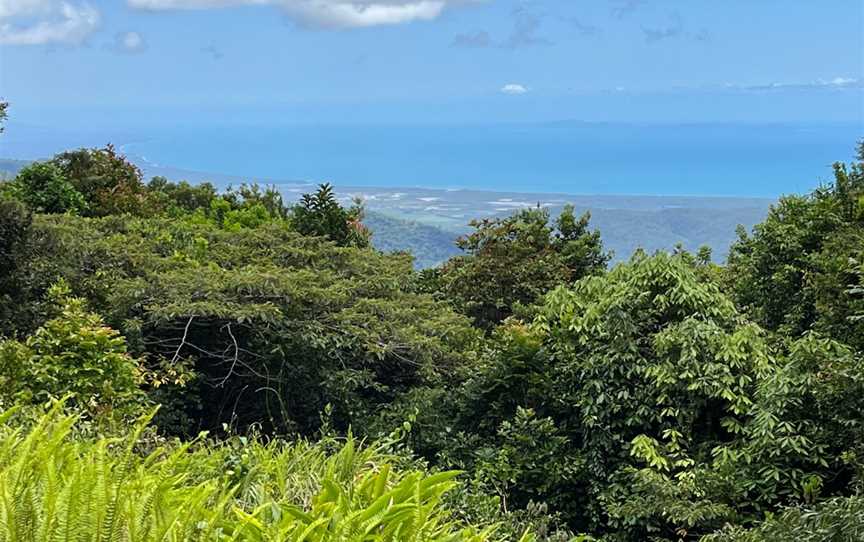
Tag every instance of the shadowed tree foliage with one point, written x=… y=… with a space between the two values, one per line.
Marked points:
x=320 y=214
x=273 y=324
x=15 y=224
x=109 y=183
x=514 y=260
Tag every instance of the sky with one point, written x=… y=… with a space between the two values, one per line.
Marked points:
x=393 y=61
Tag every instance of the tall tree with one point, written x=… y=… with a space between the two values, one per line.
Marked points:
x=516 y=259
x=109 y=182
x=792 y=274
x=320 y=214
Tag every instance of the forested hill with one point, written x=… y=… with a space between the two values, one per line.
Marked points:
x=624 y=230
x=430 y=245
x=312 y=387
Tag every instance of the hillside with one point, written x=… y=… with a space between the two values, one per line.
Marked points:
x=429 y=245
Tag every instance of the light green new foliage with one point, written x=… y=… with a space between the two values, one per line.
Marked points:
x=56 y=485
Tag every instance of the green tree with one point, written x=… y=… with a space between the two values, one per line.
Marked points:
x=109 y=183
x=45 y=189
x=792 y=274
x=515 y=260
x=320 y=214
x=667 y=411
x=180 y=197
x=275 y=324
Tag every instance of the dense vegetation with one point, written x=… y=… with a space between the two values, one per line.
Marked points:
x=178 y=363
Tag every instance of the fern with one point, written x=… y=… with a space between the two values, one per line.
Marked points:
x=58 y=487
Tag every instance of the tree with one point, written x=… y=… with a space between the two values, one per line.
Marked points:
x=180 y=197
x=320 y=214
x=514 y=260
x=656 y=409
x=45 y=189
x=274 y=324
x=109 y=183
x=792 y=274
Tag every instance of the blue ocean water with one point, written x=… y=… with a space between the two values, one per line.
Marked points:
x=566 y=157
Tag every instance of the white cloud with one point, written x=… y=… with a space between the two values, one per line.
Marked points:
x=323 y=13
x=39 y=22
x=514 y=89
x=13 y=8
x=129 y=42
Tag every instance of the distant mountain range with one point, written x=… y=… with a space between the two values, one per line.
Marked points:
x=427 y=222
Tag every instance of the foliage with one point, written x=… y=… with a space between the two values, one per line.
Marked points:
x=656 y=409
x=837 y=520
x=669 y=398
x=856 y=290
x=792 y=274
x=109 y=183
x=73 y=355
x=58 y=487
x=181 y=197
x=15 y=224
x=515 y=260
x=275 y=324
x=45 y=189
x=320 y=214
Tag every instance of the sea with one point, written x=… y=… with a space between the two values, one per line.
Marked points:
x=569 y=157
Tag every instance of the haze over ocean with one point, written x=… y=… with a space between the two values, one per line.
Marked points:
x=757 y=160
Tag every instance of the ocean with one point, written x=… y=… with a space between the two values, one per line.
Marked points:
x=752 y=160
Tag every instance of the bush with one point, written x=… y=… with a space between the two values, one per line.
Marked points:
x=73 y=355
x=836 y=520
x=44 y=188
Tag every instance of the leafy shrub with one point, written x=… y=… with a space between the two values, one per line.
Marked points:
x=836 y=520
x=73 y=355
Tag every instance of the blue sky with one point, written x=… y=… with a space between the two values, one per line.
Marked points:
x=433 y=60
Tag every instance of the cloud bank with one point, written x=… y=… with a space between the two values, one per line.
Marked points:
x=323 y=13
x=837 y=83
x=42 y=22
